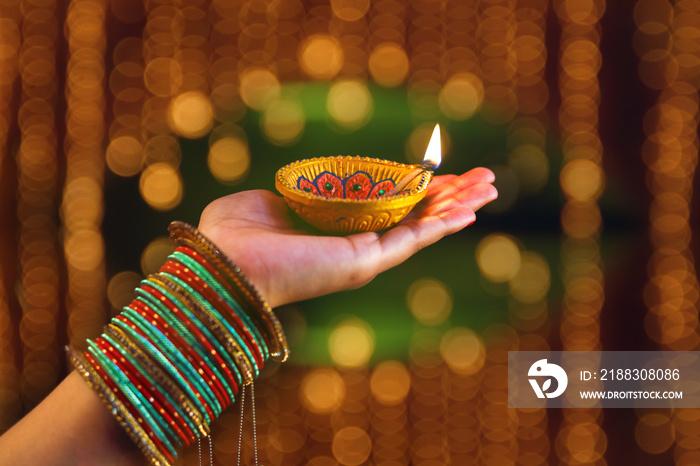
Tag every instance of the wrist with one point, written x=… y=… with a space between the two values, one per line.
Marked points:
x=245 y=260
x=197 y=332
x=235 y=281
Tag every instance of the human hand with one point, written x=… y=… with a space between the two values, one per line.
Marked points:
x=254 y=229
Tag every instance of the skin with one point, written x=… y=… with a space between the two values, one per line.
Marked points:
x=254 y=228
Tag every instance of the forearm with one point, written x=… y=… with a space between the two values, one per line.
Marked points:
x=70 y=427
x=164 y=368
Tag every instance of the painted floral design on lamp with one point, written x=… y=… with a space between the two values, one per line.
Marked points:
x=359 y=185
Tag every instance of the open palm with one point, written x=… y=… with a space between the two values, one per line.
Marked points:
x=287 y=264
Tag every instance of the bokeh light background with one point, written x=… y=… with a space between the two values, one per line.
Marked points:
x=119 y=116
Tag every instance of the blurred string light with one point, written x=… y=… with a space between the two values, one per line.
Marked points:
x=229 y=156
x=174 y=98
x=667 y=41
x=321 y=56
x=259 y=88
x=10 y=39
x=532 y=281
x=349 y=103
x=463 y=351
x=82 y=207
x=191 y=115
x=461 y=96
x=426 y=40
x=37 y=184
x=351 y=446
x=499 y=424
x=670 y=153
x=229 y=159
x=349 y=24
x=323 y=390
x=495 y=39
x=498 y=257
x=460 y=410
x=161 y=186
x=527 y=159
x=283 y=122
x=501 y=259
x=388 y=64
x=351 y=343
x=120 y=289
x=654 y=433
x=428 y=408
x=155 y=254
x=430 y=301
x=512 y=63
x=124 y=154
x=581 y=438
x=390 y=384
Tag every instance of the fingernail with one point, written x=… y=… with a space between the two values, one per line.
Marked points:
x=494 y=194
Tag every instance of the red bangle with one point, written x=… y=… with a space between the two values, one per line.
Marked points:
x=178 y=269
x=195 y=331
x=137 y=330
x=211 y=379
x=142 y=385
x=131 y=408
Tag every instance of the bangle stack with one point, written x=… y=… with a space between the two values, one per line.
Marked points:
x=179 y=353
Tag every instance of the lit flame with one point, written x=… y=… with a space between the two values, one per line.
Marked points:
x=433 y=154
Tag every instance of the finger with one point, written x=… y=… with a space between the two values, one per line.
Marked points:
x=472 y=177
x=438 y=181
x=474 y=198
x=477 y=196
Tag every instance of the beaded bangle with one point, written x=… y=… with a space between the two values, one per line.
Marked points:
x=177 y=355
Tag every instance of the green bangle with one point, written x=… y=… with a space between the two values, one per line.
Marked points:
x=184 y=234
x=204 y=274
x=188 y=405
x=170 y=320
x=179 y=411
x=155 y=282
x=175 y=356
x=218 y=318
x=221 y=334
x=172 y=372
x=137 y=400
